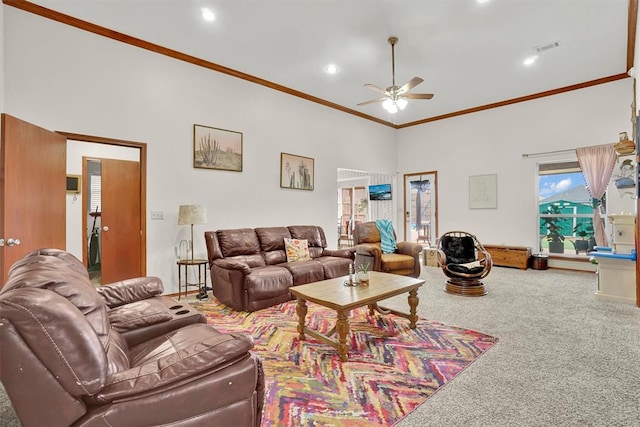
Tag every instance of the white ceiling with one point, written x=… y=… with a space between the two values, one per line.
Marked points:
x=469 y=53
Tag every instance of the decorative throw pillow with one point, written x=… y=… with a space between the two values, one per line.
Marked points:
x=297 y=250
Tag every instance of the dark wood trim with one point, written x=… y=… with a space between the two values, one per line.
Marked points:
x=631 y=32
x=520 y=99
x=143 y=182
x=27 y=6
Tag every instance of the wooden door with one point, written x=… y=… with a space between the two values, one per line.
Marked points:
x=33 y=182
x=121 y=232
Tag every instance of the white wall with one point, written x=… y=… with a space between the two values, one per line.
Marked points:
x=493 y=141
x=62 y=78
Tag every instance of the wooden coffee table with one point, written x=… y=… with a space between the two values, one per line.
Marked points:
x=333 y=294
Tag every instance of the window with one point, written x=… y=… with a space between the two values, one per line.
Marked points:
x=565 y=210
x=95 y=191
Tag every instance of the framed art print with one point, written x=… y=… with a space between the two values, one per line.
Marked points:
x=215 y=148
x=296 y=172
x=483 y=192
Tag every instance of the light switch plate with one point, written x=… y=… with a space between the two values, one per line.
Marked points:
x=157 y=215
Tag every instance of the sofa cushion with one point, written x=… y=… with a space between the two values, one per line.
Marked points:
x=241 y=244
x=396 y=262
x=268 y=282
x=272 y=238
x=467 y=268
x=242 y=241
x=297 y=250
x=305 y=271
x=272 y=243
x=334 y=266
x=311 y=233
x=459 y=250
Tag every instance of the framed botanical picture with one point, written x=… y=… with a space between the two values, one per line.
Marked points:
x=483 y=192
x=296 y=172
x=215 y=148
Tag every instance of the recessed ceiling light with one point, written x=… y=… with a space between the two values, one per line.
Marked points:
x=331 y=69
x=207 y=14
x=530 y=60
x=482 y=1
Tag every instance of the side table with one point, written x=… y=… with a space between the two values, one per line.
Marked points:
x=202 y=275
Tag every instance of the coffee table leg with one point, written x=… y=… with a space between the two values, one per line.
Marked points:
x=342 y=325
x=301 y=310
x=413 y=305
x=372 y=308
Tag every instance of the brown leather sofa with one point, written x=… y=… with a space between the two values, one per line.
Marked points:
x=69 y=359
x=404 y=261
x=249 y=268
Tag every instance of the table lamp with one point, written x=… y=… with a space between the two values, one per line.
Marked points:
x=189 y=215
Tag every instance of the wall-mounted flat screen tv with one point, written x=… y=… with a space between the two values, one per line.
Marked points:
x=380 y=192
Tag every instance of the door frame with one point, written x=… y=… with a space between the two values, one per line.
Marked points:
x=143 y=187
x=434 y=231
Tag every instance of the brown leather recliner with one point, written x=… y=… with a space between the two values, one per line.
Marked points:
x=405 y=260
x=137 y=308
x=64 y=363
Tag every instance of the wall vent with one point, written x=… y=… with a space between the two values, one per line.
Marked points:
x=546 y=47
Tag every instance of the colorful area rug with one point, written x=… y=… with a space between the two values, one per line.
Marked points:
x=391 y=370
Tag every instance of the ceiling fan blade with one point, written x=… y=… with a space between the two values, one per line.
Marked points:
x=417 y=95
x=375 y=88
x=373 y=101
x=410 y=84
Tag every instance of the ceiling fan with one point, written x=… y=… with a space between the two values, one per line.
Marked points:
x=395 y=97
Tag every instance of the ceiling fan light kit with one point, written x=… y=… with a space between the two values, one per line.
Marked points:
x=395 y=97
x=393 y=106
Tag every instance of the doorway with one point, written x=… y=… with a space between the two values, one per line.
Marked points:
x=107 y=228
x=353 y=204
x=93 y=190
x=421 y=207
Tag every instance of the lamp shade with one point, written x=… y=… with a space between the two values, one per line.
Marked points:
x=192 y=214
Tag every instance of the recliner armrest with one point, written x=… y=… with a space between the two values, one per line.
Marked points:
x=409 y=248
x=232 y=264
x=139 y=314
x=369 y=253
x=130 y=290
x=342 y=253
x=369 y=249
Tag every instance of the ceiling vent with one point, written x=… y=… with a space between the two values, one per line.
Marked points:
x=546 y=47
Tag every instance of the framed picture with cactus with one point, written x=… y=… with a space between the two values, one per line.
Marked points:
x=215 y=148
x=296 y=172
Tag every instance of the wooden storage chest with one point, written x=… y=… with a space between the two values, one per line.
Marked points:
x=509 y=256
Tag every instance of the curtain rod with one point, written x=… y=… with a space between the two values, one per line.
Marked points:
x=549 y=152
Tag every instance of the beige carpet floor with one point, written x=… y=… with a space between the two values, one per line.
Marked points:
x=564 y=358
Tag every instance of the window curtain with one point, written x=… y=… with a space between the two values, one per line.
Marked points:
x=597 y=163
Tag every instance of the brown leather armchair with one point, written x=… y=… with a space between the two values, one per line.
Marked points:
x=404 y=261
x=64 y=363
